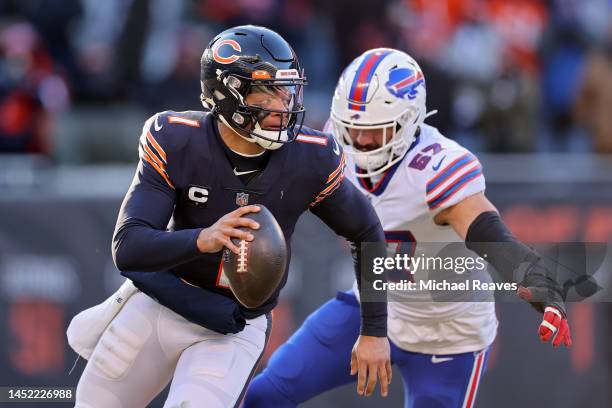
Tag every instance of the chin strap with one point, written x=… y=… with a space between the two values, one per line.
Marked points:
x=265 y=140
x=266 y=144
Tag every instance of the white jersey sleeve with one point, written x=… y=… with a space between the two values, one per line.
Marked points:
x=451 y=176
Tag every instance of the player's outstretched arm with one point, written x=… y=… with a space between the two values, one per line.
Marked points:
x=478 y=222
x=350 y=215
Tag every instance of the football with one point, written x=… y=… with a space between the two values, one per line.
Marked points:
x=255 y=273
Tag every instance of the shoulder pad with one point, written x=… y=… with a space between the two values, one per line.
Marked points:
x=450 y=172
x=171 y=130
x=325 y=153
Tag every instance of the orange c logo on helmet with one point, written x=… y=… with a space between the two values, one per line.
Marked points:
x=231 y=58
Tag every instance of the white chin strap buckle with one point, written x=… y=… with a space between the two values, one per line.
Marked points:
x=268 y=136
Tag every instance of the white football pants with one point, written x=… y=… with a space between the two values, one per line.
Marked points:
x=147 y=345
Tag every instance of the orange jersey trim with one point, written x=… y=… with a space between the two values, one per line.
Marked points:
x=157 y=147
x=158 y=169
x=338 y=170
x=154 y=157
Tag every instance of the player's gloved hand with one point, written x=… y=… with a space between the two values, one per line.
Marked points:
x=218 y=235
x=370 y=359
x=547 y=297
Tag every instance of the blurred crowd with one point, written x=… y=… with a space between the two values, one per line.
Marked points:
x=504 y=75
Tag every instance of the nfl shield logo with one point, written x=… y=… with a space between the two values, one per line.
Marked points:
x=242 y=199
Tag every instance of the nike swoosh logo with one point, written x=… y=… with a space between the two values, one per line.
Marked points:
x=156 y=125
x=336 y=148
x=240 y=173
x=437 y=360
x=437 y=166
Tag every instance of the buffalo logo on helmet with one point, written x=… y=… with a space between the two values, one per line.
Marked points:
x=226 y=60
x=403 y=82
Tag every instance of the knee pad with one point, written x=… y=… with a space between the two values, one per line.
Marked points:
x=219 y=357
x=120 y=344
x=335 y=320
x=209 y=372
x=285 y=363
x=262 y=394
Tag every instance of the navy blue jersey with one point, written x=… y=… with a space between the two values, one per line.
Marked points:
x=184 y=182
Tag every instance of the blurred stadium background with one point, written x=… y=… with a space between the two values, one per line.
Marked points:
x=526 y=84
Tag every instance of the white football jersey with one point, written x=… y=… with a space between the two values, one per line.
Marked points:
x=435 y=174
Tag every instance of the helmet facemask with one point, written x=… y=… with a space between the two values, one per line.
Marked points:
x=395 y=137
x=247 y=117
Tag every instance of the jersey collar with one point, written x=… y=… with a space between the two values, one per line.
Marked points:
x=267 y=179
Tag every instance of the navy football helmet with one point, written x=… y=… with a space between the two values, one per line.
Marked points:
x=248 y=59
